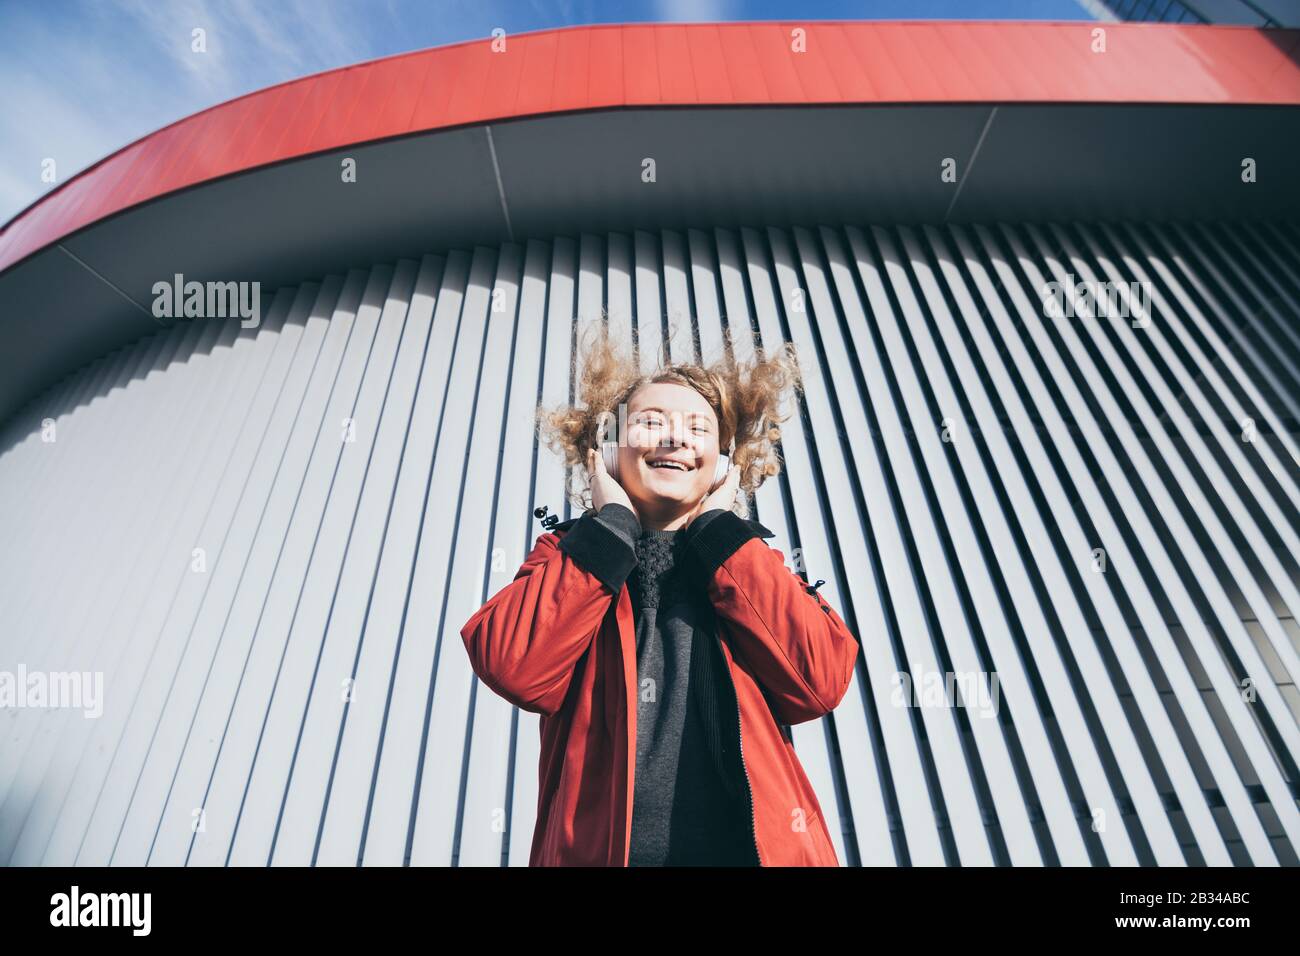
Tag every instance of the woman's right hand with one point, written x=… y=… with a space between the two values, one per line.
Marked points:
x=604 y=488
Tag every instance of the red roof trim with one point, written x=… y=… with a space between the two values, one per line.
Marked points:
x=638 y=65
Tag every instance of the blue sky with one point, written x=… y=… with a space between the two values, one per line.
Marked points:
x=79 y=79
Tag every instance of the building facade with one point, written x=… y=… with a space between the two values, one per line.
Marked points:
x=1047 y=459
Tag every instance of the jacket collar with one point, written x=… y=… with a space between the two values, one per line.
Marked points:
x=759 y=529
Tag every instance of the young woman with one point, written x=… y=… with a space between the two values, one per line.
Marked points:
x=666 y=647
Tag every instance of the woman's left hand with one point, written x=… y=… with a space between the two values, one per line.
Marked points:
x=724 y=496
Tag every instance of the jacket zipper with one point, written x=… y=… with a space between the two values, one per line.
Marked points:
x=740 y=739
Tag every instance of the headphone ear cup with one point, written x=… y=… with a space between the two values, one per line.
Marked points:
x=610 y=451
x=720 y=472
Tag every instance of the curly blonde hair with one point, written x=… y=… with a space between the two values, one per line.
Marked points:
x=746 y=397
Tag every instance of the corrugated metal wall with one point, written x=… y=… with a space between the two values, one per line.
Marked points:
x=267 y=540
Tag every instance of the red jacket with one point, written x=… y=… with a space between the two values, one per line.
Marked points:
x=559 y=641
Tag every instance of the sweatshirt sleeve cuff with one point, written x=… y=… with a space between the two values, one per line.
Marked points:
x=621 y=520
x=716 y=535
x=599 y=549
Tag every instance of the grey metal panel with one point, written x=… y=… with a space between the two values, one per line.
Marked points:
x=145 y=534
x=1197 y=555
x=907 y=427
x=305 y=697
x=386 y=635
x=558 y=378
x=229 y=465
x=27 y=488
x=1248 y=482
x=548 y=477
x=1200 y=270
x=806 y=537
x=346 y=555
x=619 y=286
x=1206 y=360
x=591 y=278
x=736 y=309
x=1271 y=271
x=708 y=312
x=109 y=795
x=121 y=369
x=161 y=406
x=1082 y=544
x=272 y=483
x=923 y=839
x=1273 y=578
x=1273 y=334
x=866 y=790
x=677 y=298
x=1039 y=556
x=495 y=526
x=447 y=818
x=288 y=611
x=1120 y=560
x=649 y=301
x=212 y=650
x=952 y=428
x=400 y=685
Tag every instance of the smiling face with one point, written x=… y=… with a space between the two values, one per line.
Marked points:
x=667 y=463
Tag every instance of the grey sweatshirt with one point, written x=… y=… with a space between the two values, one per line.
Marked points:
x=689 y=803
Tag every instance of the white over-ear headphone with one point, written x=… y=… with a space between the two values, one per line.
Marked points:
x=609 y=450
